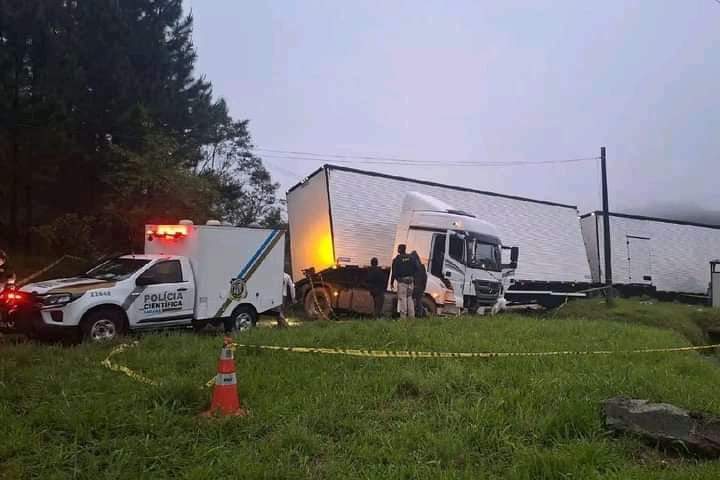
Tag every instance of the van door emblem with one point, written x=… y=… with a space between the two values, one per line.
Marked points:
x=238 y=290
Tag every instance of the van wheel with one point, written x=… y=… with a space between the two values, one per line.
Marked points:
x=243 y=318
x=102 y=326
x=317 y=304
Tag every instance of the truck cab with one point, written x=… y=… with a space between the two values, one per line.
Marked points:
x=458 y=250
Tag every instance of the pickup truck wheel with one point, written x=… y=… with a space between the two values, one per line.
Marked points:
x=318 y=304
x=243 y=318
x=102 y=326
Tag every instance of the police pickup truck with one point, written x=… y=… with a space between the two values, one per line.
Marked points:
x=189 y=275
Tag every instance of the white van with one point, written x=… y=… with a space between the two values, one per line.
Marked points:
x=188 y=275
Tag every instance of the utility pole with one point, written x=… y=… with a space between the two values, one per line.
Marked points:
x=606 y=230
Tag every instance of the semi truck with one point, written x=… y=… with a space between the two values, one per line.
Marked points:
x=340 y=217
x=334 y=234
x=188 y=275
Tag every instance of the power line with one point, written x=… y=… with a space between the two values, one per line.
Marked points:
x=331 y=155
x=289 y=173
x=349 y=160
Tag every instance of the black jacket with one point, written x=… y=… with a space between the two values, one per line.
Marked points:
x=5 y=273
x=377 y=280
x=420 y=280
x=403 y=266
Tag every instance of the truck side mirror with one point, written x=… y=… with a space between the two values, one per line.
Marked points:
x=514 y=254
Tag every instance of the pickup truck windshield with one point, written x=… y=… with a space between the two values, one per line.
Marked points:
x=116 y=269
x=483 y=255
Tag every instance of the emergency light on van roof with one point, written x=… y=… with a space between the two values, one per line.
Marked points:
x=167 y=231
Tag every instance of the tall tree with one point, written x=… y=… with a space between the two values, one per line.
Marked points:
x=101 y=111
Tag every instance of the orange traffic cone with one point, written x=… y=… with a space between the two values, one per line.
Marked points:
x=225 y=399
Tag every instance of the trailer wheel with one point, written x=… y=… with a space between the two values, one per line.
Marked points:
x=102 y=325
x=551 y=302
x=318 y=304
x=243 y=318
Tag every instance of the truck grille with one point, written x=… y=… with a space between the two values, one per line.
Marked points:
x=486 y=287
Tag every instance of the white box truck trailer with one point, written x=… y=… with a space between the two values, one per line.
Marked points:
x=188 y=275
x=342 y=217
x=652 y=254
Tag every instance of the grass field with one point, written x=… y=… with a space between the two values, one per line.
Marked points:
x=316 y=416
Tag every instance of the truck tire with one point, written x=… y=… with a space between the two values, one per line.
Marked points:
x=550 y=302
x=102 y=325
x=318 y=305
x=243 y=318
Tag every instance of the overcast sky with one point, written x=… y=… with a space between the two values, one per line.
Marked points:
x=484 y=81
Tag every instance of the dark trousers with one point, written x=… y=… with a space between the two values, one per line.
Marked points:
x=419 y=309
x=379 y=301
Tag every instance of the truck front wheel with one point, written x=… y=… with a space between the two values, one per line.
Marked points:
x=102 y=325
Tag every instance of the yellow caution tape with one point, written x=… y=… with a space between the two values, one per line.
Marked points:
x=401 y=354
x=414 y=354
x=121 y=368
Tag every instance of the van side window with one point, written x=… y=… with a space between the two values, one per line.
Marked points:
x=457 y=248
x=168 y=271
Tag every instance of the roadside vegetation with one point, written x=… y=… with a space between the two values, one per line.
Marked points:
x=321 y=416
x=694 y=322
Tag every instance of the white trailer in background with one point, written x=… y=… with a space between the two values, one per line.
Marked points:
x=343 y=217
x=654 y=254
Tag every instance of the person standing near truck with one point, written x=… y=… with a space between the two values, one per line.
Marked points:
x=288 y=300
x=377 y=282
x=6 y=275
x=403 y=272
x=420 y=284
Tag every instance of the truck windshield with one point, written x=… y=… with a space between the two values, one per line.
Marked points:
x=117 y=268
x=483 y=255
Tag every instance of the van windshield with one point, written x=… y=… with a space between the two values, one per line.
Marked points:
x=483 y=255
x=117 y=269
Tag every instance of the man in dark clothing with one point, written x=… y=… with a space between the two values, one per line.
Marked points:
x=377 y=283
x=6 y=274
x=403 y=272
x=420 y=284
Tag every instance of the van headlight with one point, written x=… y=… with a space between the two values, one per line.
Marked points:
x=58 y=299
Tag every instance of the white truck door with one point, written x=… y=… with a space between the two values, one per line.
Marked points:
x=639 y=259
x=454 y=264
x=167 y=296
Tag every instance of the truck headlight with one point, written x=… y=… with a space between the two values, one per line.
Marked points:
x=58 y=299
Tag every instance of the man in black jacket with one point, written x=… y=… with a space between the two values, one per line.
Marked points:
x=377 y=283
x=420 y=284
x=403 y=272
x=6 y=274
